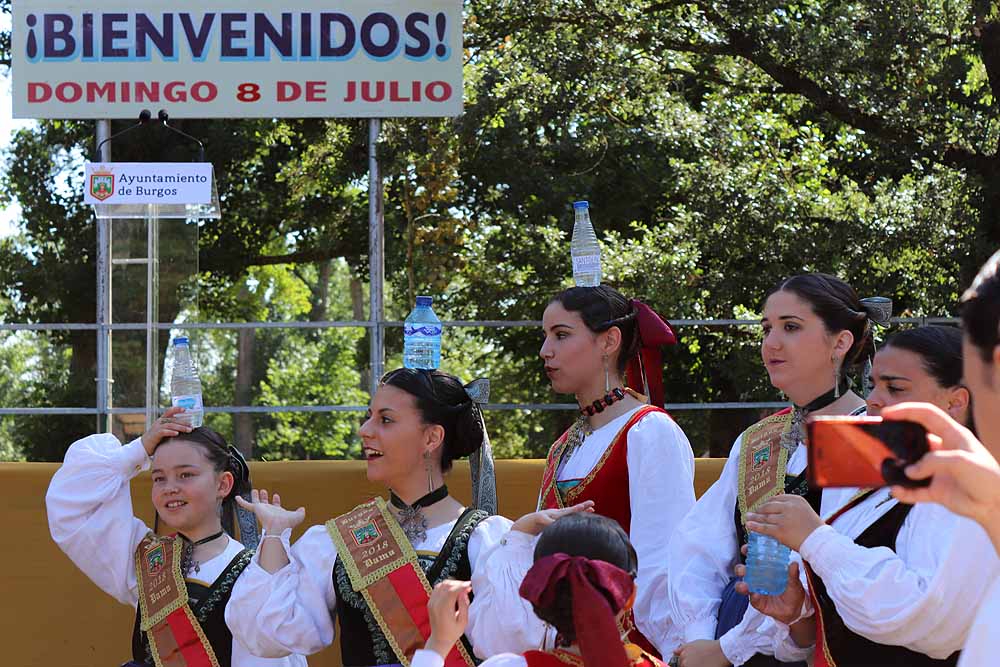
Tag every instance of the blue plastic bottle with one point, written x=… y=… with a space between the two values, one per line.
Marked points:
x=767 y=565
x=422 y=336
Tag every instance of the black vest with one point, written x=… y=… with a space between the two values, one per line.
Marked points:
x=209 y=607
x=796 y=485
x=852 y=650
x=362 y=643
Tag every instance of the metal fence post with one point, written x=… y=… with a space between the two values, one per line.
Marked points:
x=103 y=298
x=376 y=257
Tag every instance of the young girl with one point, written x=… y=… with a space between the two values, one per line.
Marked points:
x=629 y=459
x=581 y=582
x=815 y=331
x=889 y=582
x=180 y=584
x=373 y=567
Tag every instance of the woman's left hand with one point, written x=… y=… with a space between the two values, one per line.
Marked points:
x=701 y=653
x=448 y=609
x=788 y=519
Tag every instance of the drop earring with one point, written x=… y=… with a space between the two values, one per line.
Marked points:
x=427 y=467
x=607 y=376
x=836 y=377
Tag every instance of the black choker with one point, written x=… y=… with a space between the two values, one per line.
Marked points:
x=796 y=432
x=597 y=406
x=412 y=520
x=204 y=540
x=826 y=399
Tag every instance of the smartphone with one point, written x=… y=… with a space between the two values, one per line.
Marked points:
x=864 y=452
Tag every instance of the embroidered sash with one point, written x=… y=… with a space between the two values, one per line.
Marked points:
x=176 y=638
x=763 y=462
x=382 y=566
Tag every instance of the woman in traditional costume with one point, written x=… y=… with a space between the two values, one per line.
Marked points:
x=815 y=330
x=888 y=582
x=179 y=583
x=627 y=457
x=581 y=582
x=372 y=569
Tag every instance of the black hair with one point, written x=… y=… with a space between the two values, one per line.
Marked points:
x=582 y=534
x=442 y=399
x=222 y=459
x=600 y=309
x=838 y=306
x=981 y=309
x=939 y=348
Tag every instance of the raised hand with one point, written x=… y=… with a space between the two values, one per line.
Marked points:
x=448 y=609
x=535 y=523
x=272 y=516
x=164 y=427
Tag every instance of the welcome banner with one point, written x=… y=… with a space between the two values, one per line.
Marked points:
x=252 y=59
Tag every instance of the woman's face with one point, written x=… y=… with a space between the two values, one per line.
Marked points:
x=980 y=376
x=571 y=352
x=394 y=437
x=900 y=375
x=797 y=350
x=187 y=490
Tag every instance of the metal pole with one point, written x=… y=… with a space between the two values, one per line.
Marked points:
x=376 y=256
x=103 y=299
x=152 y=313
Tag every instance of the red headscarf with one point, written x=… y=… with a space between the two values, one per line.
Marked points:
x=645 y=370
x=593 y=583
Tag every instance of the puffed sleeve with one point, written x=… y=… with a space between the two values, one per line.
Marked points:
x=702 y=555
x=89 y=508
x=661 y=493
x=921 y=596
x=290 y=611
x=500 y=620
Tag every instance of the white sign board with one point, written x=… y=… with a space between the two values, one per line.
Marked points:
x=252 y=59
x=148 y=183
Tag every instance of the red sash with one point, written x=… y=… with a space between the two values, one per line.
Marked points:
x=176 y=638
x=383 y=567
x=821 y=654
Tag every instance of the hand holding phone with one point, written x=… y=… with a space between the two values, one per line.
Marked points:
x=864 y=452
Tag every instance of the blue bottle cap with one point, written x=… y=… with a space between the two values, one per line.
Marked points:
x=581 y=204
x=181 y=340
x=424 y=301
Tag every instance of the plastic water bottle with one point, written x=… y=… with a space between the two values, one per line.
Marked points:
x=422 y=336
x=767 y=565
x=584 y=248
x=185 y=385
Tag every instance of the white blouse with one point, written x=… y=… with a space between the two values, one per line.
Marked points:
x=921 y=596
x=293 y=610
x=661 y=491
x=91 y=519
x=701 y=559
x=980 y=648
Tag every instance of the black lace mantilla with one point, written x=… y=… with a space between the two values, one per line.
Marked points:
x=451 y=563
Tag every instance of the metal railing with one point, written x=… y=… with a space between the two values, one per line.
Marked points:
x=366 y=324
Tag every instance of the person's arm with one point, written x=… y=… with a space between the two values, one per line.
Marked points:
x=701 y=556
x=922 y=595
x=291 y=610
x=89 y=507
x=661 y=493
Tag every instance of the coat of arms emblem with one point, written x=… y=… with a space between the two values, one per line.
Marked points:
x=102 y=185
x=366 y=534
x=761 y=456
x=155 y=559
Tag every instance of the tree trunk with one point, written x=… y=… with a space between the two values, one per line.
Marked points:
x=359 y=311
x=244 y=428
x=321 y=292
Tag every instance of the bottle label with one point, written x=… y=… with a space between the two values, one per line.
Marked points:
x=586 y=264
x=424 y=330
x=188 y=402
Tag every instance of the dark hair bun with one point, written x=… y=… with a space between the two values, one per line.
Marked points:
x=442 y=399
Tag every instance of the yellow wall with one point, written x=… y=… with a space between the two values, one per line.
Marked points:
x=52 y=615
